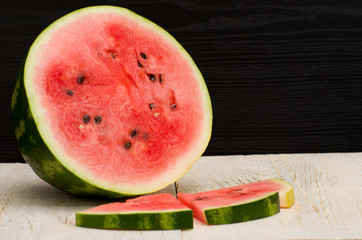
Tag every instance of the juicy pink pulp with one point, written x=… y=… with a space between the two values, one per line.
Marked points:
x=103 y=65
x=157 y=203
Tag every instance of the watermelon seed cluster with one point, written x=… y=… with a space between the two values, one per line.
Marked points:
x=153 y=78
x=80 y=80
x=127 y=145
x=97 y=119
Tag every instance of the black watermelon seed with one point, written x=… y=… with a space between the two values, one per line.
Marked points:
x=152 y=77
x=98 y=119
x=127 y=145
x=173 y=106
x=133 y=133
x=139 y=64
x=69 y=92
x=86 y=118
x=201 y=198
x=114 y=55
x=143 y=55
x=152 y=106
x=160 y=78
x=81 y=79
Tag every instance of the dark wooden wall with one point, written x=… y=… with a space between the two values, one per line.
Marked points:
x=284 y=76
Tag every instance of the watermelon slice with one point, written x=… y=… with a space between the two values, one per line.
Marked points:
x=110 y=104
x=154 y=212
x=240 y=203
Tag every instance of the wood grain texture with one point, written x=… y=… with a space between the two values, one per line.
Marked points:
x=284 y=77
x=327 y=188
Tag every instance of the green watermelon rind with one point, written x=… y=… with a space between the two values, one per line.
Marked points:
x=265 y=206
x=39 y=147
x=164 y=220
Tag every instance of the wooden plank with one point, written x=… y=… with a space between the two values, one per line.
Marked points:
x=32 y=209
x=327 y=187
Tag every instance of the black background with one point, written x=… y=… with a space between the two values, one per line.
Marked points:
x=284 y=76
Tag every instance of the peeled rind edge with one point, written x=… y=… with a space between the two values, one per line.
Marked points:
x=286 y=196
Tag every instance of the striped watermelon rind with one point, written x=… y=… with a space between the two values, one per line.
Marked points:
x=240 y=203
x=154 y=212
x=262 y=207
x=137 y=221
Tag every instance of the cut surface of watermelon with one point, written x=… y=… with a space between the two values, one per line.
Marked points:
x=154 y=212
x=110 y=104
x=240 y=203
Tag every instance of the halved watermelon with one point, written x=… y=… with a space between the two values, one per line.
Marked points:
x=154 y=212
x=240 y=203
x=109 y=104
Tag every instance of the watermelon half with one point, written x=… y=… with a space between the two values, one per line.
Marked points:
x=240 y=203
x=108 y=103
x=154 y=212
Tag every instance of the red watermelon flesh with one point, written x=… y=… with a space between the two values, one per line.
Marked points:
x=117 y=101
x=151 y=203
x=240 y=195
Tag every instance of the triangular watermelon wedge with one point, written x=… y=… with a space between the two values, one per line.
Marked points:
x=153 y=212
x=240 y=203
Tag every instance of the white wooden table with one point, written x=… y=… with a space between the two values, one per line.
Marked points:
x=328 y=189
